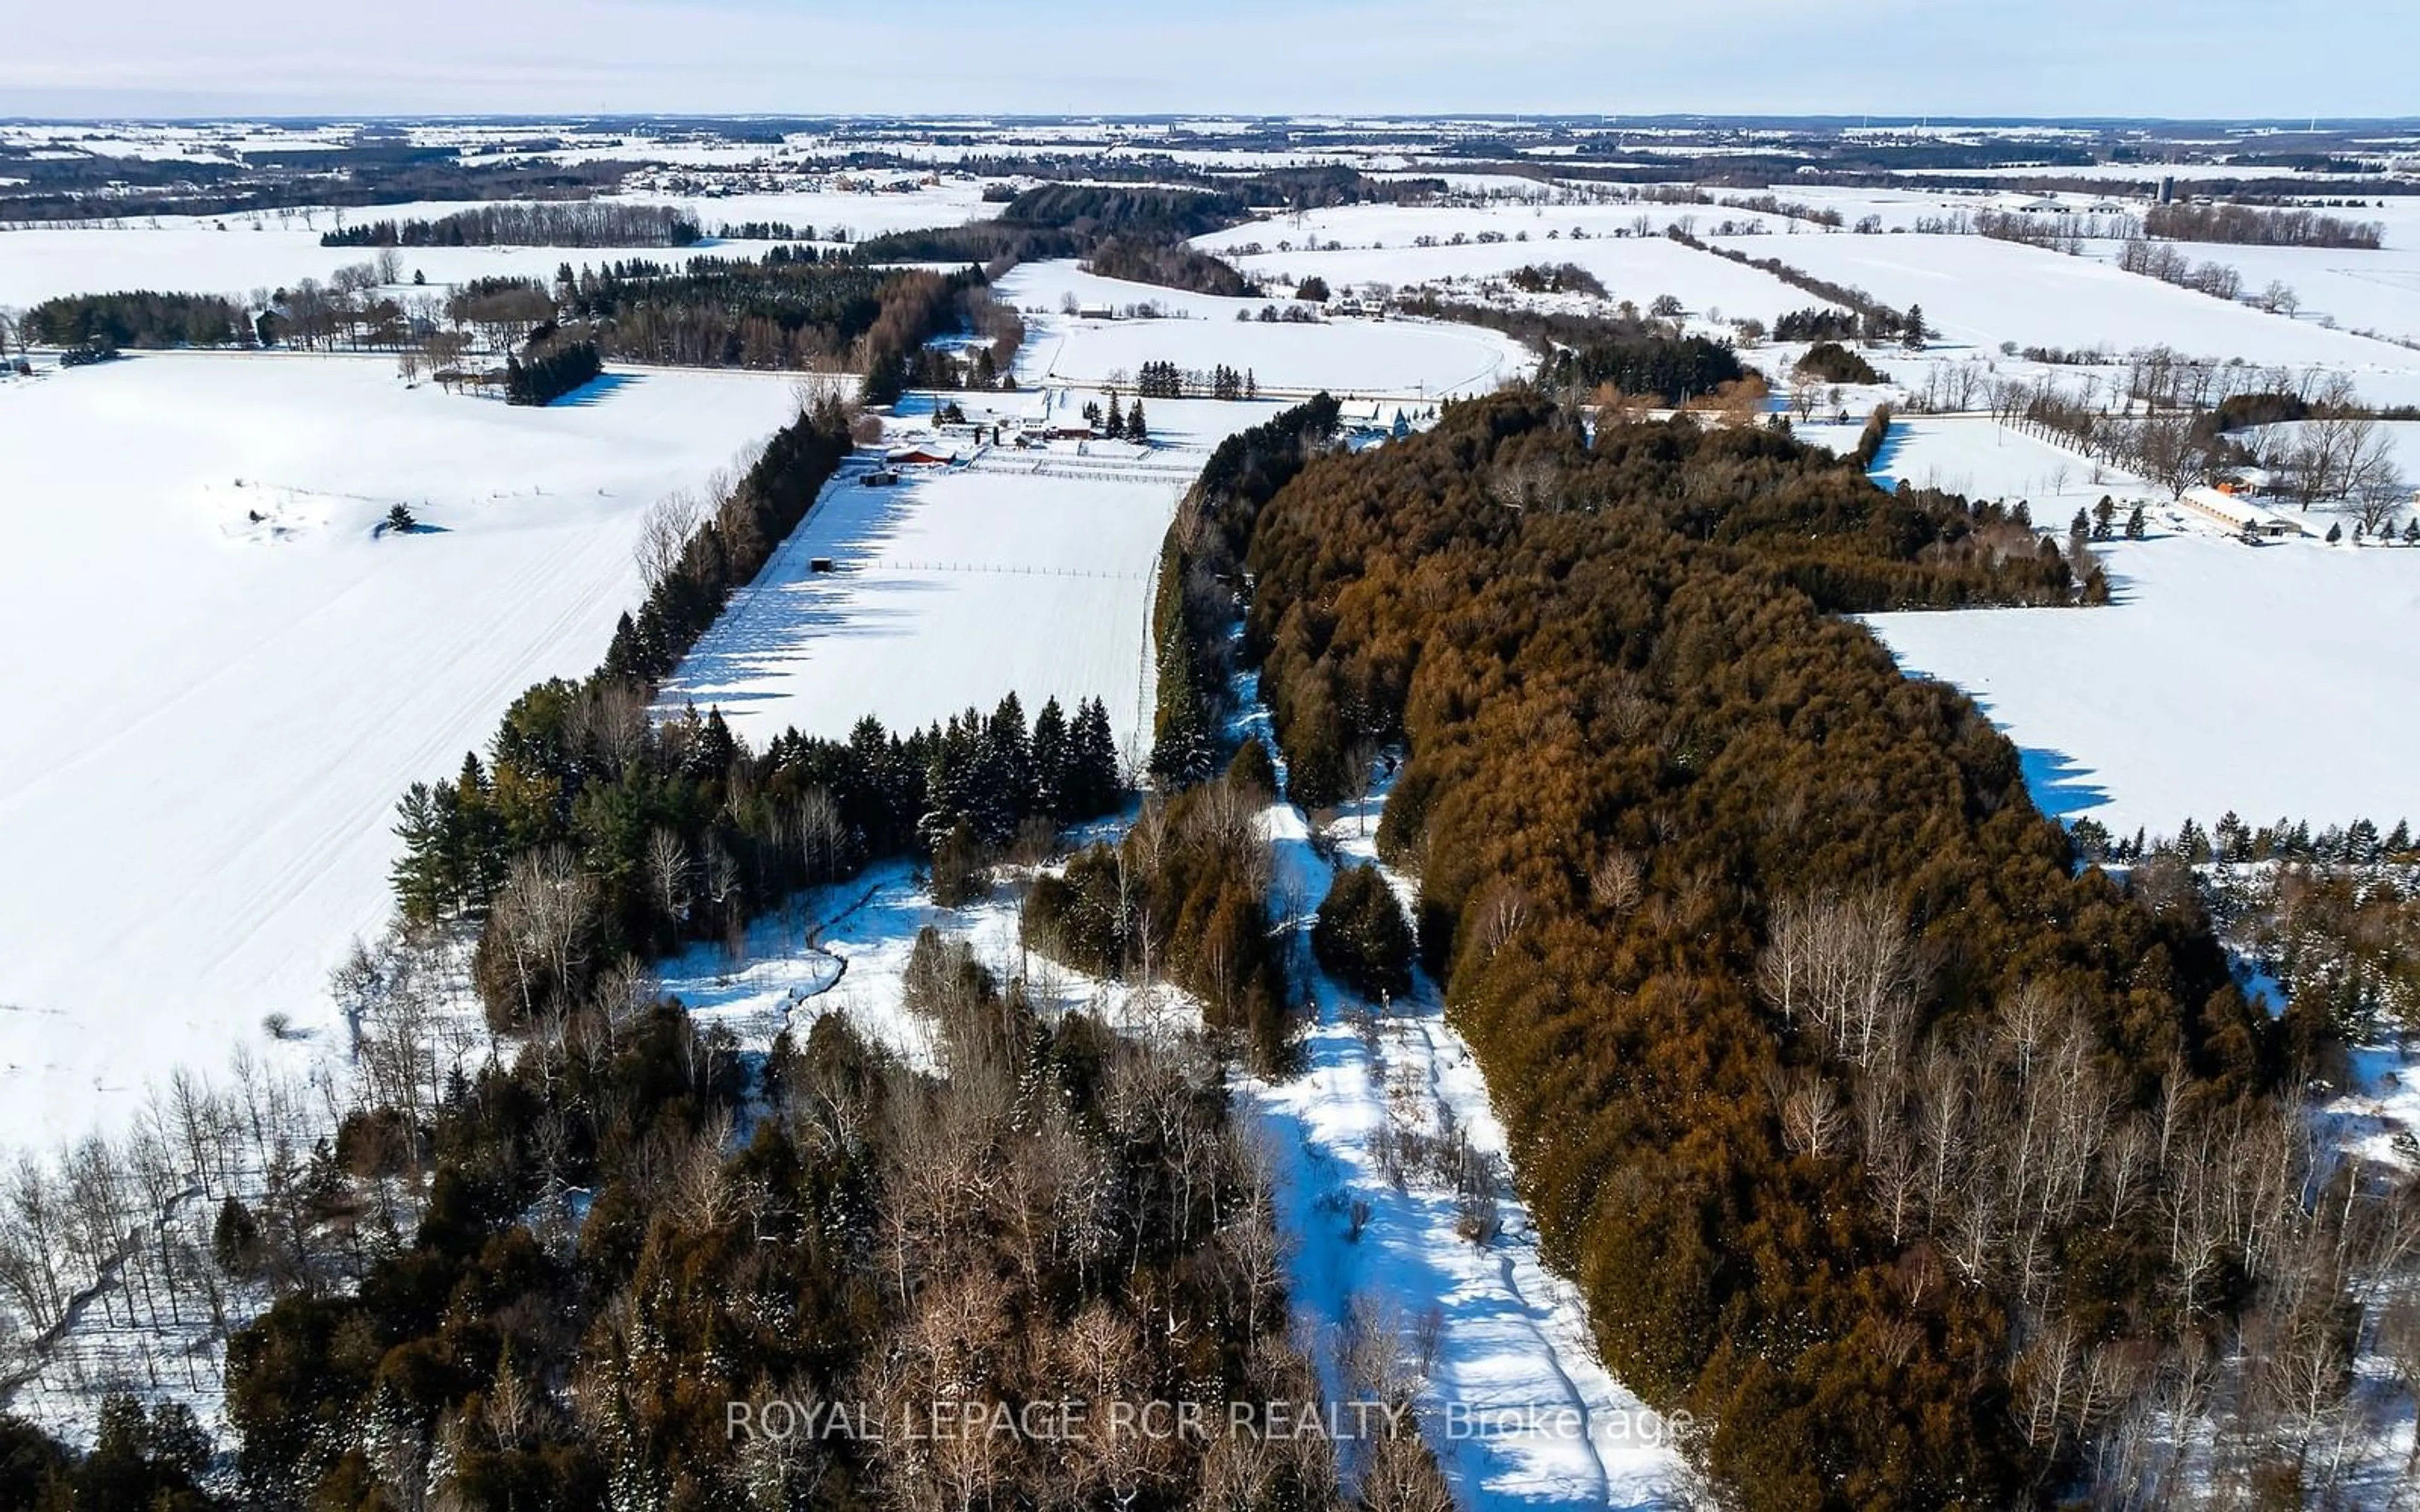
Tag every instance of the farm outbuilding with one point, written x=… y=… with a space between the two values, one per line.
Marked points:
x=2223 y=508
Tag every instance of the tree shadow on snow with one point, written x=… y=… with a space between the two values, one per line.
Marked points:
x=597 y=390
x=2061 y=785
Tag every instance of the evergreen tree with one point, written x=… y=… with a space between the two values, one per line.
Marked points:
x=478 y=858
x=622 y=656
x=948 y=778
x=153 y=1461
x=1003 y=784
x=1051 y=751
x=1092 y=786
x=1914 y=328
x=1181 y=751
x=424 y=874
x=1135 y=431
x=2192 y=843
x=715 y=749
x=33 y=1469
x=2136 y=525
x=1361 y=936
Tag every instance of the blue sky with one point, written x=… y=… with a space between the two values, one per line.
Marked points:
x=2223 y=58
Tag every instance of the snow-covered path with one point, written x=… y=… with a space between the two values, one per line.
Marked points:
x=1517 y=1406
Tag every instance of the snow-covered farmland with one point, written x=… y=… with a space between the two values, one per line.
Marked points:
x=946 y=591
x=223 y=679
x=2352 y=288
x=1980 y=292
x=194 y=254
x=268 y=250
x=1980 y=458
x=2224 y=676
x=1638 y=269
x=1401 y=225
x=2270 y=681
x=1408 y=358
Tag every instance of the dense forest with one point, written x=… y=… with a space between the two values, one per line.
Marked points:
x=1928 y=1168
x=1626 y=354
x=1182 y=897
x=1674 y=369
x=1170 y=265
x=914 y=1250
x=558 y=224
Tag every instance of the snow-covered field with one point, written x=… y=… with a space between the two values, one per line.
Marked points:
x=1638 y=269
x=1414 y=358
x=1978 y=292
x=2273 y=680
x=2224 y=676
x=269 y=250
x=1019 y=573
x=211 y=714
x=1401 y=225
x=1980 y=458
x=2357 y=290
x=194 y=255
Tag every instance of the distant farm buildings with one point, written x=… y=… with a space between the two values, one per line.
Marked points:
x=2223 y=508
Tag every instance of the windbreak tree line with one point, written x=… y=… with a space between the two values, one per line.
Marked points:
x=1870 y=1129
x=138 y=318
x=2252 y=226
x=1202 y=580
x=560 y=223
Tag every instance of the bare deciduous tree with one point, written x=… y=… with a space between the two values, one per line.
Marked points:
x=664 y=532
